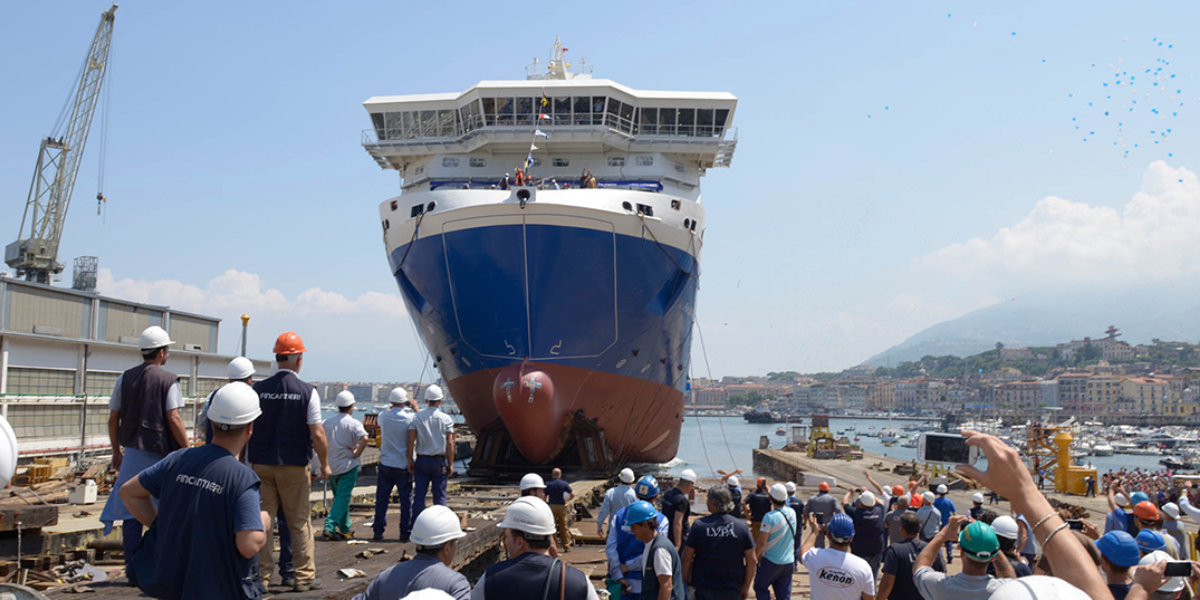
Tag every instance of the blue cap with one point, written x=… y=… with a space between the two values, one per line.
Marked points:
x=639 y=512
x=1119 y=548
x=1149 y=540
x=1136 y=497
x=841 y=528
x=646 y=488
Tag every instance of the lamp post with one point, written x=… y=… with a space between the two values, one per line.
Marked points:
x=245 y=324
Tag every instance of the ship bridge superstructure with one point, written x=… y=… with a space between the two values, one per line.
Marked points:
x=560 y=122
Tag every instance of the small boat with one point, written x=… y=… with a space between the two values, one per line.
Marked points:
x=781 y=431
x=1102 y=449
x=857 y=439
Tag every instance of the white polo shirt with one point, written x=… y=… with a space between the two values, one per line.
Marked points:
x=431 y=426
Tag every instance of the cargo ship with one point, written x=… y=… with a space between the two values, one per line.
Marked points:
x=547 y=245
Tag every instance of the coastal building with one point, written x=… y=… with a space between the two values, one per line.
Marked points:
x=1073 y=394
x=1103 y=393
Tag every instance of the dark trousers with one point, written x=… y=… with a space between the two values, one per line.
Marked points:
x=287 y=570
x=949 y=552
x=388 y=478
x=707 y=594
x=771 y=576
x=430 y=471
x=131 y=538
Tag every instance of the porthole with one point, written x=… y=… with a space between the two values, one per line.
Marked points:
x=429 y=207
x=627 y=206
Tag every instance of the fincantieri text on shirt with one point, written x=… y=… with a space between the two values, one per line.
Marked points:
x=198 y=482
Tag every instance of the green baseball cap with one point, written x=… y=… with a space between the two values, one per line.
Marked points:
x=979 y=542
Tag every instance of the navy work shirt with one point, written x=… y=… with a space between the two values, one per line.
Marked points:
x=205 y=496
x=759 y=503
x=557 y=490
x=898 y=561
x=676 y=502
x=870 y=535
x=720 y=542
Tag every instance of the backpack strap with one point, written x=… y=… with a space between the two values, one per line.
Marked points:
x=549 y=576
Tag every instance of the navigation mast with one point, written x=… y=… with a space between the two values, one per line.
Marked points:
x=35 y=253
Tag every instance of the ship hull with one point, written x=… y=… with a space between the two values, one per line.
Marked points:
x=598 y=302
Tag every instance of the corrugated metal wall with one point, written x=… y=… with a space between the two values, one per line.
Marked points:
x=186 y=331
x=130 y=321
x=35 y=307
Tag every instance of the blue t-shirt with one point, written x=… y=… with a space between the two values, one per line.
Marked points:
x=946 y=506
x=1116 y=521
x=246 y=511
x=781 y=539
x=720 y=542
x=557 y=490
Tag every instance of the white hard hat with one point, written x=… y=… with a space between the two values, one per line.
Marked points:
x=941 y=489
x=529 y=514
x=240 y=368
x=1038 y=587
x=434 y=393
x=928 y=497
x=344 y=399
x=733 y=480
x=688 y=475
x=977 y=498
x=435 y=526
x=1121 y=500
x=790 y=487
x=532 y=481
x=428 y=594
x=234 y=404
x=1171 y=585
x=1006 y=527
x=627 y=475
x=398 y=396
x=154 y=337
x=8 y=452
x=867 y=499
x=1171 y=509
x=778 y=492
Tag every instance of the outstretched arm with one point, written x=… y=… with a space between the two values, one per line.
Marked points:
x=874 y=484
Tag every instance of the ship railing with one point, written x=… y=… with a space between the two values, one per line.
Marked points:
x=528 y=124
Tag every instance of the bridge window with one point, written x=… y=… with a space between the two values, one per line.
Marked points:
x=583 y=110
x=380 y=130
x=649 y=121
x=666 y=121
x=505 y=109
x=562 y=111
x=525 y=114
x=411 y=129
x=561 y=162
x=687 y=121
x=704 y=122
x=446 y=123
x=470 y=116
x=598 y=109
x=722 y=117
x=489 y=111
x=429 y=123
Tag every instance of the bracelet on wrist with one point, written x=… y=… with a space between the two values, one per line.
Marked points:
x=1053 y=513
x=1046 y=543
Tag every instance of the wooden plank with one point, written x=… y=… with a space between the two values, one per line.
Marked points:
x=30 y=517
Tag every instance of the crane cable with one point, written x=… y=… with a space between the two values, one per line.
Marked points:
x=720 y=419
x=106 y=101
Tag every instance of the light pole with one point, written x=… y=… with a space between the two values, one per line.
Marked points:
x=245 y=324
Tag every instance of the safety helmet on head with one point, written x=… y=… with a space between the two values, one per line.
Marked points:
x=434 y=393
x=398 y=396
x=823 y=486
x=867 y=499
x=639 y=512
x=344 y=399
x=1038 y=587
x=942 y=489
x=688 y=475
x=1171 y=509
x=1138 y=497
x=1119 y=548
x=917 y=501
x=897 y=490
x=154 y=337
x=732 y=481
x=979 y=542
x=778 y=492
x=289 y=343
x=235 y=403
x=1171 y=585
x=761 y=483
x=841 y=528
x=790 y=487
x=1149 y=540
x=436 y=525
x=928 y=497
x=428 y=594
x=1005 y=527
x=626 y=475
x=1146 y=511
x=240 y=368
x=1121 y=500
x=529 y=514
x=532 y=481
x=977 y=498
x=646 y=488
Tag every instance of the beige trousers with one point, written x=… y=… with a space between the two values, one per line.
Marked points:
x=289 y=487
x=562 y=525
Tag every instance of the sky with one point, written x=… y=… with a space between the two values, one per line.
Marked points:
x=897 y=165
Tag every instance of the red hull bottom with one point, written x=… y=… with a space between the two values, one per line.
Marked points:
x=641 y=419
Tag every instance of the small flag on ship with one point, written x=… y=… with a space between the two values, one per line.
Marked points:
x=541 y=133
x=544 y=116
x=533 y=147
x=545 y=100
x=529 y=160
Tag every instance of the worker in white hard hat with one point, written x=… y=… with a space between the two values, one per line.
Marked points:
x=947 y=508
x=527 y=533
x=436 y=533
x=977 y=510
x=392 y=473
x=207 y=527
x=143 y=427
x=533 y=485
x=677 y=508
x=775 y=546
x=615 y=499
x=431 y=450
x=558 y=494
x=347 y=439
x=240 y=369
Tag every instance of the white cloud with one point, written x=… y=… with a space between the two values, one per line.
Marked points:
x=1152 y=239
x=238 y=291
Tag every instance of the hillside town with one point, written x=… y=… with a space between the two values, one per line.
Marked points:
x=1086 y=378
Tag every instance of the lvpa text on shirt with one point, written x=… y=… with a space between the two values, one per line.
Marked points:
x=721 y=531
x=198 y=482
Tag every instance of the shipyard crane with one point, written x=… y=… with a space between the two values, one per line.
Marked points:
x=35 y=253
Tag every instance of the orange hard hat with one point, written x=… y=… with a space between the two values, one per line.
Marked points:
x=289 y=343
x=897 y=490
x=916 y=502
x=1146 y=511
x=823 y=486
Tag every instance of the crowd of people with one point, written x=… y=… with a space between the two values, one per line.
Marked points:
x=209 y=511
